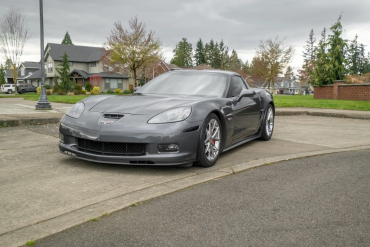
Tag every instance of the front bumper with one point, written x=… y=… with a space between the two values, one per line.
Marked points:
x=151 y=135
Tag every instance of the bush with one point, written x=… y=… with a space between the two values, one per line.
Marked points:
x=84 y=92
x=55 y=88
x=48 y=92
x=88 y=87
x=118 y=90
x=127 y=92
x=39 y=90
x=110 y=91
x=47 y=87
x=61 y=92
x=95 y=91
x=78 y=89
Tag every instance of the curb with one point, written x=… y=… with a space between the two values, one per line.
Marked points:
x=32 y=121
x=322 y=114
x=51 y=226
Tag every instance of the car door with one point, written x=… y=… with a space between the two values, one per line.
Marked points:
x=246 y=112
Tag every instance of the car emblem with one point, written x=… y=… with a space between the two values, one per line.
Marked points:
x=107 y=122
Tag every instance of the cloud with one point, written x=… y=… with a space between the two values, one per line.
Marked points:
x=241 y=24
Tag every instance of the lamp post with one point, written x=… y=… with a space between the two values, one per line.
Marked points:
x=43 y=103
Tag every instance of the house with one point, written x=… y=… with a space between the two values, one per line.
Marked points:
x=157 y=69
x=287 y=86
x=25 y=69
x=84 y=64
x=199 y=67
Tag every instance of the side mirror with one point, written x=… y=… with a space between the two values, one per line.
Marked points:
x=245 y=93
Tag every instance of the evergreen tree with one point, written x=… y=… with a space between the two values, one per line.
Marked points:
x=354 y=57
x=8 y=64
x=224 y=56
x=209 y=47
x=183 y=54
x=329 y=63
x=309 y=49
x=366 y=64
x=2 y=75
x=336 y=52
x=67 y=39
x=199 y=54
x=63 y=71
x=246 y=67
x=289 y=74
x=216 y=55
x=235 y=63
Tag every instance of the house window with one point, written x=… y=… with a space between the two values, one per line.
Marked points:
x=23 y=71
x=70 y=63
x=93 y=64
x=50 y=67
x=120 y=84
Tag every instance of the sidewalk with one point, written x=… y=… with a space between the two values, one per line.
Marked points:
x=286 y=111
x=19 y=112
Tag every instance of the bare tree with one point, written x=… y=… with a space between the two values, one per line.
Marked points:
x=14 y=34
x=132 y=49
x=275 y=56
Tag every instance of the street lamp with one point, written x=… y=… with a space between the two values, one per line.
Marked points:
x=43 y=103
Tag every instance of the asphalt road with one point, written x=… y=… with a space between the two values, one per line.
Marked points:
x=316 y=201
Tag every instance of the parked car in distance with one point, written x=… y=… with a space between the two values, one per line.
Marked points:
x=136 y=88
x=7 y=88
x=26 y=88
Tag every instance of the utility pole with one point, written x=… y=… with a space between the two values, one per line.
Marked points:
x=43 y=103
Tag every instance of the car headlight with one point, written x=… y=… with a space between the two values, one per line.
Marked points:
x=173 y=115
x=76 y=110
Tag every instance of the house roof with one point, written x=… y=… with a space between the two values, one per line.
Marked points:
x=76 y=53
x=86 y=75
x=35 y=75
x=199 y=67
x=35 y=65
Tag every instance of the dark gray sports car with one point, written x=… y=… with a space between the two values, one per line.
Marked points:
x=178 y=118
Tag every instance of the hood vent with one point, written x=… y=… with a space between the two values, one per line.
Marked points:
x=113 y=116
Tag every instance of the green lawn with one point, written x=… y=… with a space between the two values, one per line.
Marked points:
x=308 y=101
x=280 y=101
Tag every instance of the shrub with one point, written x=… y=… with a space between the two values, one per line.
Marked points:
x=61 y=92
x=39 y=90
x=88 y=87
x=95 y=91
x=84 y=92
x=55 y=88
x=78 y=89
x=127 y=92
x=48 y=92
x=110 y=91
x=47 y=87
x=118 y=90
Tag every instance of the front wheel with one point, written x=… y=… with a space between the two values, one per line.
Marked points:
x=210 y=142
x=23 y=91
x=268 y=124
x=9 y=91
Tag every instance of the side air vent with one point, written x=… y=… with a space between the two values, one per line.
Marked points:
x=113 y=116
x=195 y=128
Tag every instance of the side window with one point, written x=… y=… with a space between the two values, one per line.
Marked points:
x=236 y=86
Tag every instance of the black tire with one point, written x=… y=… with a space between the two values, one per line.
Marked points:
x=23 y=91
x=266 y=134
x=10 y=91
x=202 y=159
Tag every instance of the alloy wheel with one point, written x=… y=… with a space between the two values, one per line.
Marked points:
x=212 y=140
x=270 y=121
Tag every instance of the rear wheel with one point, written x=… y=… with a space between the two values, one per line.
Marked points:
x=268 y=124
x=9 y=91
x=23 y=91
x=209 y=142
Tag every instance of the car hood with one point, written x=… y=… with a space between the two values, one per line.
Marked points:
x=141 y=104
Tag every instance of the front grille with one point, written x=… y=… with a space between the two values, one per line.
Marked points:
x=113 y=116
x=111 y=148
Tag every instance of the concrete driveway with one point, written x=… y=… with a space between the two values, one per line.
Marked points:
x=43 y=192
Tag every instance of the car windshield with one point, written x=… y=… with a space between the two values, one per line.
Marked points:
x=187 y=83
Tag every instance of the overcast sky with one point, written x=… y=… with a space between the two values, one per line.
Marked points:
x=240 y=23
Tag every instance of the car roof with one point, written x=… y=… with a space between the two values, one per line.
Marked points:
x=226 y=72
